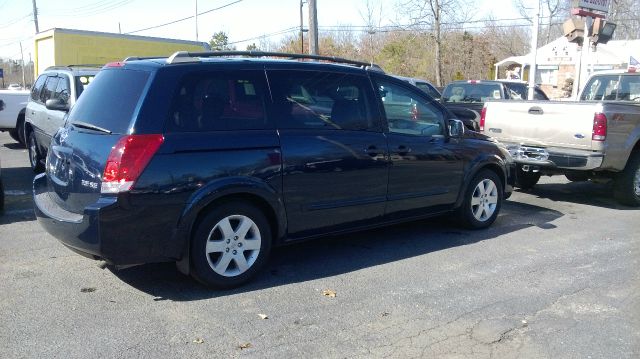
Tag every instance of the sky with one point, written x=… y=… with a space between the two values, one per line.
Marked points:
x=239 y=19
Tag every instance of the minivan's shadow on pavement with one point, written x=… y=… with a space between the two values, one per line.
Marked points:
x=589 y=193
x=333 y=256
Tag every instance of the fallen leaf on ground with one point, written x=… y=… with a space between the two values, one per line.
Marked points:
x=385 y=314
x=244 y=346
x=329 y=293
x=198 y=340
x=87 y=290
x=263 y=316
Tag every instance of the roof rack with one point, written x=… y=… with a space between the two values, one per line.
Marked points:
x=71 y=67
x=184 y=56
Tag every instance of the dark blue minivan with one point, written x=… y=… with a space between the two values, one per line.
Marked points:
x=210 y=159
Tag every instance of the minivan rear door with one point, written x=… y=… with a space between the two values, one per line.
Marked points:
x=79 y=151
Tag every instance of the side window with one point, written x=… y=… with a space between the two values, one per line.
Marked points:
x=408 y=112
x=539 y=95
x=62 y=91
x=322 y=100
x=37 y=87
x=218 y=101
x=49 y=88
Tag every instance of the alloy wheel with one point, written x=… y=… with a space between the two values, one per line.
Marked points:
x=484 y=200
x=233 y=245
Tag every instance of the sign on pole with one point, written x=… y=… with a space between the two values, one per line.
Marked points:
x=1 y=73
x=594 y=5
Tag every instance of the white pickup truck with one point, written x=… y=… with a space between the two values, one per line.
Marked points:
x=12 y=110
x=596 y=138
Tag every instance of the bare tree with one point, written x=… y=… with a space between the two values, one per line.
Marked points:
x=552 y=11
x=435 y=16
x=626 y=14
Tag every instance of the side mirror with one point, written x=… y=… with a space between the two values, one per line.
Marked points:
x=456 y=128
x=57 y=105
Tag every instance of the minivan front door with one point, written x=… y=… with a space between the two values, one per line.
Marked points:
x=425 y=173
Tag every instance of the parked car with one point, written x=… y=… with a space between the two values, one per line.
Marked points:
x=423 y=85
x=595 y=138
x=209 y=161
x=14 y=87
x=12 y=109
x=52 y=95
x=472 y=94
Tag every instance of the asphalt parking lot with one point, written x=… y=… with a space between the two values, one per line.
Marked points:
x=557 y=276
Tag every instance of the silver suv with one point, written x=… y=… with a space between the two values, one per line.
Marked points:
x=53 y=94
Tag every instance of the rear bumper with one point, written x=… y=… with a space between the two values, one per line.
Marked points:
x=556 y=158
x=105 y=230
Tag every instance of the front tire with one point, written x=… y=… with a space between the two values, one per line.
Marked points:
x=230 y=245
x=526 y=179
x=35 y=158
x=627 y=184
x=482 y=201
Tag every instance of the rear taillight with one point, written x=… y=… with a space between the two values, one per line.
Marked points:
x=127 y=160
x=599 y=127
x=483 y=116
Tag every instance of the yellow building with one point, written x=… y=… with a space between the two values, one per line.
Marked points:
x=64 y=47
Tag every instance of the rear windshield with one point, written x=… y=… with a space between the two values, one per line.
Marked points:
x=428 y=89
x=82 y=82
x=111 y=100
x=471 y=92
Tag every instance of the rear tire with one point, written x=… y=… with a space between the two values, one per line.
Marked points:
x=627 y=185
x=482 y=201
x=35 y=158
x=18 y=133
x=230 y=245
x=526 y=180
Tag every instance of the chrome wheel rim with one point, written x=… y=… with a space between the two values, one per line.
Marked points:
x=233 y=245
x=33 y=155
x=636 y=182
x=484 y=200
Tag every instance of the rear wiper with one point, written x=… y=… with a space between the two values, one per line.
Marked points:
x=89 y=126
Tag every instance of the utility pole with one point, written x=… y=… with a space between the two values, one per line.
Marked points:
x=24 y=82
x=534 y=52
x=35 y=15
x=301 y=29
x=196 y=20
x=313 y=27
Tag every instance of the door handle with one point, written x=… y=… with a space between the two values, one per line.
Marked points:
x=535 y=110
x=403 y=150
x=372 y=151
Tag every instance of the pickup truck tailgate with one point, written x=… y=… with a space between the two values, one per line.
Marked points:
x=541 y=123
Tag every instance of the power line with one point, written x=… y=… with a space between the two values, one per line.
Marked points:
x=183 y=19
x=281 y=32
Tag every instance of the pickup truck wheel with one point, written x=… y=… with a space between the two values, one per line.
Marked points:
x=35 y=158
x=230 y=245
x=526 y=180
x=482 y=201
x=577 y=176
x=627 y=184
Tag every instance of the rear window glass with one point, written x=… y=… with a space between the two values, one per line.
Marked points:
x=428 y=89
x=111 y=100
x=82 y=82
x=471 y=92
x=219 y=101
